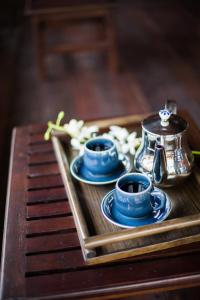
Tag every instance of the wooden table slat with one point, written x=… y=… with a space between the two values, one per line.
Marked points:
x=37 y=139
x=54 y=261
x=55 y=242
x=44 y=182
x=47 y=210
x=135 y=275
x=43 y=170
x=41 y=158
x=38 y=227
x=40 y=148
x=46 y=195
x=13 y=263
x=36 y=129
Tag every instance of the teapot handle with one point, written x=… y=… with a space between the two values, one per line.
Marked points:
x=171 y=106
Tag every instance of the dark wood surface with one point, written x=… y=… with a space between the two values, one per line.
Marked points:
x=41 y=254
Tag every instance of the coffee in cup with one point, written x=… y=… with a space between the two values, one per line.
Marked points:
x=135 y=196
x=100 y=156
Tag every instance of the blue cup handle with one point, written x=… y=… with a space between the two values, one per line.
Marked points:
x=160 y=201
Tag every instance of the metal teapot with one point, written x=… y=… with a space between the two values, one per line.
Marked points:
x=164 y=153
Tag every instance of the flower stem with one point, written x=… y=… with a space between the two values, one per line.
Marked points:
x=47 y=134
x=56 y=127
x=49 y=129
x=196 y=152
x=60 y=117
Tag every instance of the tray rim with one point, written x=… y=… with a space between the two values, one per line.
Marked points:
x=89 y=243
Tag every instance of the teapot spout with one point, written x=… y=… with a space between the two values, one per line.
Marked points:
x=159 y=172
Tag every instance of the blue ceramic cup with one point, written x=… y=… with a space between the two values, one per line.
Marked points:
x=135 y=196
x=100 y=156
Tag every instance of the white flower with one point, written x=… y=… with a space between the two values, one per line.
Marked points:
x=131 y=137
x=87 y=132
x=77 y=145
x=133 y=142
x=80 y=134
x=124 y=141
x=119 y=132
x=124 y=148
x=118 y=146
x=93 y=129
x=73 y=127
x=109 y=136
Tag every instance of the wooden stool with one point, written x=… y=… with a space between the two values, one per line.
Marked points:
x=45 y=14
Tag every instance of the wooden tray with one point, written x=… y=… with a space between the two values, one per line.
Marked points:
x=101 y=241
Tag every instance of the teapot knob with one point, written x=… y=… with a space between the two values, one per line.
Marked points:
x=165 y=116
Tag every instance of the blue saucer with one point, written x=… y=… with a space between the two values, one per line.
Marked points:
x=81 y=173
x=118 y=219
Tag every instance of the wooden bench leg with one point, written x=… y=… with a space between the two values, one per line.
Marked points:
x=112 y=44
x=38 y=39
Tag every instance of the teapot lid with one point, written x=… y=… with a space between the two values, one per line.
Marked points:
x=164 y=123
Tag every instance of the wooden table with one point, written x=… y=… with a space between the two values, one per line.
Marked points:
x=41 y=257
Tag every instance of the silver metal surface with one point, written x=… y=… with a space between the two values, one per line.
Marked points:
x=171 y=164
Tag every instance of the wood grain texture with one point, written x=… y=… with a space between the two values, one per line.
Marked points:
x=44 y=182
x=40 y=148
x=45 y=195
x=43 y=170
x=13 y=240
x=65 y=260
x=37 y=139
x=47 y=210
x=41 y=158
x=117 y=279
x=52 y=243
x=149 y=230
x=43 y=226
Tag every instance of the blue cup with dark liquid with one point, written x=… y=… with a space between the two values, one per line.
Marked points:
x=100 y=156
x=135 y=196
